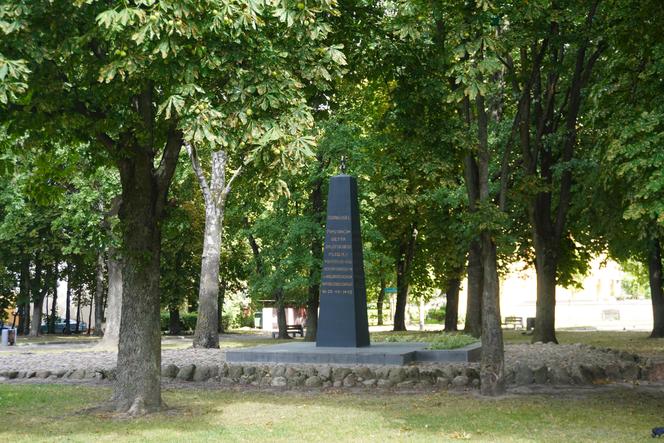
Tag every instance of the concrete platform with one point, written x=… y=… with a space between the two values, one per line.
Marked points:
x=376 y=354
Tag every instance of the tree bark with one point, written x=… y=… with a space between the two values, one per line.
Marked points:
x=174 y=320
x=54 y=302
x=215 y=193
x=404 y=265
x=452 y=305
x=137 y=388
x=113 y=302
x=492 y=366
x=222 y=296
x=475 y=277
x=111 y=324
x=67 y=329
x=78 y=310
x=312 y=313
x=206 y=334
x=90 y=314
x=545 y=311
x=656 y=290
x=316 y=204
x=39 y=289
x=23 y=302
x=492 y=369
x=380 y=301
x=281 y=315
x=99 y=296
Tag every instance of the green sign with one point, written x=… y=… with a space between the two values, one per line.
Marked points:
x=390 y=290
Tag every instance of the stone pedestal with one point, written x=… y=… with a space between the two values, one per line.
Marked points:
x=343 y=298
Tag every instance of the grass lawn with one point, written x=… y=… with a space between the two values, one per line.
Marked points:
x=33 y=413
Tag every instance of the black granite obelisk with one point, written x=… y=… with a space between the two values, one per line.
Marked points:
x=343 y=297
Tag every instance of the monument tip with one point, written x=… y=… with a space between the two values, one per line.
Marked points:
x=342 y=167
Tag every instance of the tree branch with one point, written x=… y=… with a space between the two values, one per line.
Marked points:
x=168 y=163
x=198 y=170
x=235 y=175
x=107 y=141
x=581 y=70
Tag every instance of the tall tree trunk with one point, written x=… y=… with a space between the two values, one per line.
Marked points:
x=492 y=366
x=380 y=301
x=492 y=370
x=90 y=314
x=98 y=297
x=144 y=191
x=312 y=312
x=317 y=208
x=67 y=329
x=452 y=305
x=174 y=320
x=656 y=290
x=549 y=225
x=222 y=296
x=215 y=193
x=54 y=302
x=545 y=311
x=475 y=277
x=78 y=310
x=23 y=302
x=206 y=334
x=281 y=315
x=404 y=264
x=113 y=302
x=38 y=289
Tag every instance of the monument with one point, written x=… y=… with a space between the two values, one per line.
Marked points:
x=343 y=329
x=343 y=298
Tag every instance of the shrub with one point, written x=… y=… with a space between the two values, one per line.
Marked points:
x=245 y=321
x=164 y=318
x=188 y=321
x=436 y=315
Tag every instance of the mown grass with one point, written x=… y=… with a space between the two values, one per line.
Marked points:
x=34 y=413
x=435 y=340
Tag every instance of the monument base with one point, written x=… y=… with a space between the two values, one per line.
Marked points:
x=376 y=354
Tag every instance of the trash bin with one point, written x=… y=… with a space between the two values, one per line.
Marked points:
x=530 y=323
x=258 y=320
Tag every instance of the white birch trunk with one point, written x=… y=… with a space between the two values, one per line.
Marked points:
x=215 y=193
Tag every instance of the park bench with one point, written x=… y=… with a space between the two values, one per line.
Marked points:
x=291 y=329
x=513 y=322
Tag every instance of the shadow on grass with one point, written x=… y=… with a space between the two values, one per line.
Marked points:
x=56 y=412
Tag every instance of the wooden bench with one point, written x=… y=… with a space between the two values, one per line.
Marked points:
x=513 y=322
x=291 y=329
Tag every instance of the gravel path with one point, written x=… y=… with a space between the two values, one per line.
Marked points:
x=565 y=356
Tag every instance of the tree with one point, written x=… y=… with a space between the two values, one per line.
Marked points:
x=625 y=130
x=132 y=86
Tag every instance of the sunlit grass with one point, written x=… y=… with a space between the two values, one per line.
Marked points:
x=434 y=340
x=57 y=413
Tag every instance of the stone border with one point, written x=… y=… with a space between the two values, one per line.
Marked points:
x=452 y=376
